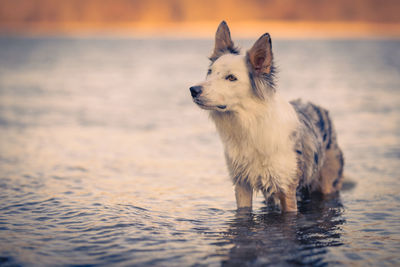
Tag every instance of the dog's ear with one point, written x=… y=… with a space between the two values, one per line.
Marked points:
x=223 y=41
x=260 y=55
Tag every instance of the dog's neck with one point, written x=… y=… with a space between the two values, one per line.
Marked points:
x=271 y=121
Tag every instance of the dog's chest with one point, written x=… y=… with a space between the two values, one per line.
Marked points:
x=261 y=160
x=260 y=151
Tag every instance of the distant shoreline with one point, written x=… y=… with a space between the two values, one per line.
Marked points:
x=206 y=29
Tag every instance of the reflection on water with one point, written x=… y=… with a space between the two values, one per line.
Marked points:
x=105 y=160
x=275 y=239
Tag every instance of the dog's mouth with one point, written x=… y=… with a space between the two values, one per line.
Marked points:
x=208 y=107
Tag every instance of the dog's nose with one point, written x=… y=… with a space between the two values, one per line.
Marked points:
x=196 y=90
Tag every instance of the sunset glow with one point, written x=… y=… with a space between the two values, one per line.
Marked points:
x=190 y=18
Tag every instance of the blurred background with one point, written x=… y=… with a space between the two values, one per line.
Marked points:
x=105 y=159
x=289 y=18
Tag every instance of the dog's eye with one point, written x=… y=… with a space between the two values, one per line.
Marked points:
x=231 y=78
x=209 y=71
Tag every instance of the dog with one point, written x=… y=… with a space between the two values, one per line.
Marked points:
x=280 y=148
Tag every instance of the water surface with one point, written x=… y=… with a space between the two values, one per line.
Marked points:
x=105 y=160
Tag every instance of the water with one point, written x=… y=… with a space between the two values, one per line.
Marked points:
x=104 y=159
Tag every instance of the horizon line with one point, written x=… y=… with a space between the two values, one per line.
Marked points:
x=206 y=29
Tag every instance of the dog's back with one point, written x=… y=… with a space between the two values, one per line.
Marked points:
x=320 y=160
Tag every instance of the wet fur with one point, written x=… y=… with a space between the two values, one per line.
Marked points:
x=279 y=148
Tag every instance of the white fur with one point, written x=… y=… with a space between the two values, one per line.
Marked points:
x=256 y=133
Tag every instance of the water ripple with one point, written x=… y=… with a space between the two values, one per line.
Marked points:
x=102 y=162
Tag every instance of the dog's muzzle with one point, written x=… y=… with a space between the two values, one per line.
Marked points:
x=196 y=91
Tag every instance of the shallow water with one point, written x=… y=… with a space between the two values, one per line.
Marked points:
x=105 y=160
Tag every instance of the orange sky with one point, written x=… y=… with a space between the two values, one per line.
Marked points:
x=310 y=18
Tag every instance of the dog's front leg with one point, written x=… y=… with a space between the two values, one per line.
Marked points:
x=288 y=201
x=244 y=195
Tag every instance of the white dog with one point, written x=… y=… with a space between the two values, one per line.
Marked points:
x=271 y=145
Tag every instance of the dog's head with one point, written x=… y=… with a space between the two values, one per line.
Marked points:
x=235 y=80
